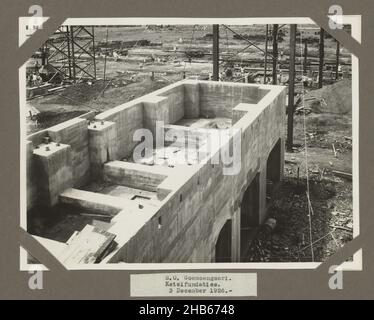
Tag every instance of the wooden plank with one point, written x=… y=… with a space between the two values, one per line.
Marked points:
x=87 y=247
x=343 y=174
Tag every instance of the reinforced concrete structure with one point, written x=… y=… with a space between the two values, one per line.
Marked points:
x=161 y=210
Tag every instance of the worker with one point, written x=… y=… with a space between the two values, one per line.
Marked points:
x=280 y=77
x=29 y=80
x=39 y=80
x=116 y=56
x=34 y=79
x=246 y=77
x=229 y=73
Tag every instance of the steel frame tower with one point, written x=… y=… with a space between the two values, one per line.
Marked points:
x=72 y=52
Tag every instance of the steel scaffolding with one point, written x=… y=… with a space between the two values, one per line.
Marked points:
x=71 y=52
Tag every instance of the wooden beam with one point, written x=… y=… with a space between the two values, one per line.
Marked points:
x=337 y=59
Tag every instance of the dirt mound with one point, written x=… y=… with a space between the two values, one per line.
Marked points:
x=79 y=94
x=335 y=98
x=290 y=240
x=49 y=119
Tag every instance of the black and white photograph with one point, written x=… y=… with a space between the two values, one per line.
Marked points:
x=187 y=156
x=189 y=143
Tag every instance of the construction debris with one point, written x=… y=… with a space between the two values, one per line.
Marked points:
x=87 y=247
x=289 y=240
x=343 y=174
x=335 y=98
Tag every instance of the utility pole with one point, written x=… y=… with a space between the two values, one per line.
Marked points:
x=321 y=57
x=275 y=52
x=44 y=55
x=305 y=56
x=266 y=53
x=337 y=59
x=216 y=52
x=291 y=88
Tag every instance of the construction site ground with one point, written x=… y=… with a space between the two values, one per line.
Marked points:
x=330 y=194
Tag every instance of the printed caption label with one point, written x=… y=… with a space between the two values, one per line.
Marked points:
x=194 y=285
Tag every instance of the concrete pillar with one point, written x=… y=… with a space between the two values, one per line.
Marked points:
x=74 y=133
x=102 y=146
x=282 y=157
x=235 y=251
x=262 y=200
x=32 y=191
x=216 y=52
x=54 y=169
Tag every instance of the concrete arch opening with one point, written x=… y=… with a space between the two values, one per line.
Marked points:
x=249 y=214
x=273 y=169
x=224 y=244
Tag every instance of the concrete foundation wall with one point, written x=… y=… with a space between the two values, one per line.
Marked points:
x=93 y=202
x=125 y=174
x=175 y=97
x=37 y=138
x=155 y=109
x=32 y=187
x=75 y=134
x=168 y=107
x=192 y=100
x=102 y=145
x=128 y=118
x=195 y=201
x=53 y=167
x=193 y=216
x=219 y=99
